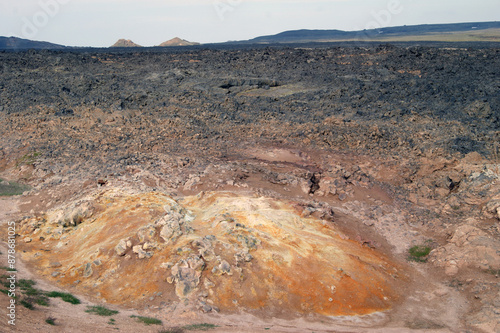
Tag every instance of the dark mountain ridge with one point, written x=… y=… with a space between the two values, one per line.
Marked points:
x=15 y=43
x=304 y=35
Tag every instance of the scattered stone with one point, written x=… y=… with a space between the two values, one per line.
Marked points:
x=205 y=247
x=451 y=268
x=223 y=268
x=206 y=308
x=146 y=233
x=186 y=274
x=171 y=229
x=167 y=265
x=243 y=256
x=141 y=254
x=441 y=292
x=208 y=284
x=122 y=247
x=74 y=214
x=149 y=246
x=192 y=181
x=87 y=270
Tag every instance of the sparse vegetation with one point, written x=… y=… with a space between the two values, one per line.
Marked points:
x=100 y=311
x=172 y=330
x=419 y=253
x=41 y=300
x=26 y=285
x=200 y=327
x=31 y=294
x=194 y=327
x=29 y=158
x=64 y=296
x=148 y=320
x=27 y=303
x=111 y=321
x=4 y=267
x=51 y=321
x=8 y=189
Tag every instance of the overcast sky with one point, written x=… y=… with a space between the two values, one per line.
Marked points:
x=150 y=22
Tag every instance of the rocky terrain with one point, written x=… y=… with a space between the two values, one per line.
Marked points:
x=286 y=189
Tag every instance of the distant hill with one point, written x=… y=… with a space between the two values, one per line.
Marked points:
x=178 y=42
x=125 y=43
x=14 y=43
x=475 y=31
x=454 y=32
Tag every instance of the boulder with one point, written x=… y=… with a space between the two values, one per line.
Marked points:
x=141 y=254
x=186 y=275
x=222 y=268
x=172 y=224
x=146 y=233
x=122 y=247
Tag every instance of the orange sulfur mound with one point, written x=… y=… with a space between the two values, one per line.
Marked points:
x=237 y=252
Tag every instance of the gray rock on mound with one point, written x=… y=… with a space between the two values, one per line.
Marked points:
x=186 y=275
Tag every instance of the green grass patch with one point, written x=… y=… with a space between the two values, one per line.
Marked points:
x=27 y=304
x=8 y=189
x=42 y=300
x=51 y=321
x=26 y=284
x=148 y=320
x=64 y=296
x=111 y=321
x=200 y=327
x=32 y=295
x=419 y=253
x=29 y=158
x=28 y=295
x=100 y=311
x=8 y=269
